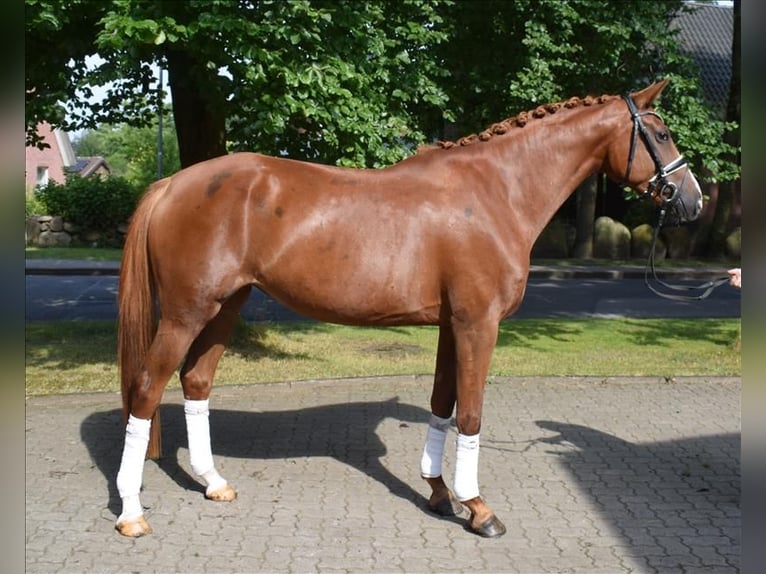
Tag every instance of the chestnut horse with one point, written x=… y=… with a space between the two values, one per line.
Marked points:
x=441 y=238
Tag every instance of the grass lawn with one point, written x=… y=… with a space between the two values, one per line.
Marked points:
x=66 y=357
x=78 y=253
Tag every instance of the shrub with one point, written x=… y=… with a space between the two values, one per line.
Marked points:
x=33 y=206
x=93 y=203
x=639 y=211
x=553 y=242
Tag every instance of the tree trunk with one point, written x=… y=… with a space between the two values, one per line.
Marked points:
x=587 y=194
x=199 y=114
x=720 y=226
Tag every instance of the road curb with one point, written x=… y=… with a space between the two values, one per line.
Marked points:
x=96 y=268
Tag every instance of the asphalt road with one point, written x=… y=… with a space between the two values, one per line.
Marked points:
x=73 y=297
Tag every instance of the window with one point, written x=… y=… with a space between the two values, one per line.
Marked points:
x=42 y=175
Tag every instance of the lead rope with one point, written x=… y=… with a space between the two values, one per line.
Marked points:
x=709 y=286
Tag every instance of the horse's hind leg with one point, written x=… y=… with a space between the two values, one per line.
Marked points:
x=197 y=380
x=443 y=398
x=165 y=354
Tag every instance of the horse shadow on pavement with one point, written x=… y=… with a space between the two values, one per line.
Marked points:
x=675 y=504
x=347 y=432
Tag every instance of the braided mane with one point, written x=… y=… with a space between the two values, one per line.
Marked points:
x=518 y=121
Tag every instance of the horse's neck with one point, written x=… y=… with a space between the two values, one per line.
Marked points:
x=554 y=158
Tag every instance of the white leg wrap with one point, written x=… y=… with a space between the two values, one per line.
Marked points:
x=433 y=450
x=200 y=452
x=132 y=467
x=467 y=467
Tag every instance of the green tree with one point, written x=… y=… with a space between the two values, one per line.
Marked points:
x=59 y=37
x=511 y=56
x=505 y=57
x=131 y=152
x=720 y=226
x=350 y=82
x=357 y=83
x=339 y=81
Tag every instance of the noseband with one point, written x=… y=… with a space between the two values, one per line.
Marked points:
x=665 y=194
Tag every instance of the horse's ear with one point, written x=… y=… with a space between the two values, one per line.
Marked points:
x=645 y=97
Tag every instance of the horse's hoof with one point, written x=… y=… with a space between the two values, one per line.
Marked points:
x=448 y=506
x=134 y=528
x=224 y=494
x=490 y=528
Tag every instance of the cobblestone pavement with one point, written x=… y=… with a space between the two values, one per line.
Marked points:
x=589 y=475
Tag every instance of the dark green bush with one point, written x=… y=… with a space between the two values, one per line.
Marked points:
x=639 y=211
x=91 y=203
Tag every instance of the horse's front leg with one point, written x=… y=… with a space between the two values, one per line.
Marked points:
x=443 y=398
x=474 y=344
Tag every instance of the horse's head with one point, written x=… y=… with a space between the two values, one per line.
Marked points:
x=643 y=156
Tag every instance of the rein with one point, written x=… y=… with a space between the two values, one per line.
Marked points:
x=665 y=193
x=708 y=287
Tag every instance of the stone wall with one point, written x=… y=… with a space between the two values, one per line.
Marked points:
x=53 y=231
x=613 y=240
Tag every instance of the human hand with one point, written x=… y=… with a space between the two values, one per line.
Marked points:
x=735 y=277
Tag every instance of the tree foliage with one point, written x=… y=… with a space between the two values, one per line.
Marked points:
x=341 y=82
x=59 y=38
x=509 y=56
x=355 y=83
x=131 y=152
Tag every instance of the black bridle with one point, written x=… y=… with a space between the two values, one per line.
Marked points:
x=662 y=191
x=665 y=194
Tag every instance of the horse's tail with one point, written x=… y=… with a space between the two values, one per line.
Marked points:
x=136 y=317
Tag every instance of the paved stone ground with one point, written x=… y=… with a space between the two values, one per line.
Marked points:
x=589 y=475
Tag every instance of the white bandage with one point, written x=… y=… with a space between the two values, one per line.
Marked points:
x=200 y=452
x=433 y=450
x=467 y=467
x=132 y=466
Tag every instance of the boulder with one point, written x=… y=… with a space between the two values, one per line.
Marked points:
x=56 y=223
x=734 y=244
x=32 y=231
x=611 y=239
x=54 y=239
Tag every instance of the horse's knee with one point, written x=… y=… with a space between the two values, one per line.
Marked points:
x=468 y=423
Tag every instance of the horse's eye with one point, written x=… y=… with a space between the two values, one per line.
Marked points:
x=663 y=136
